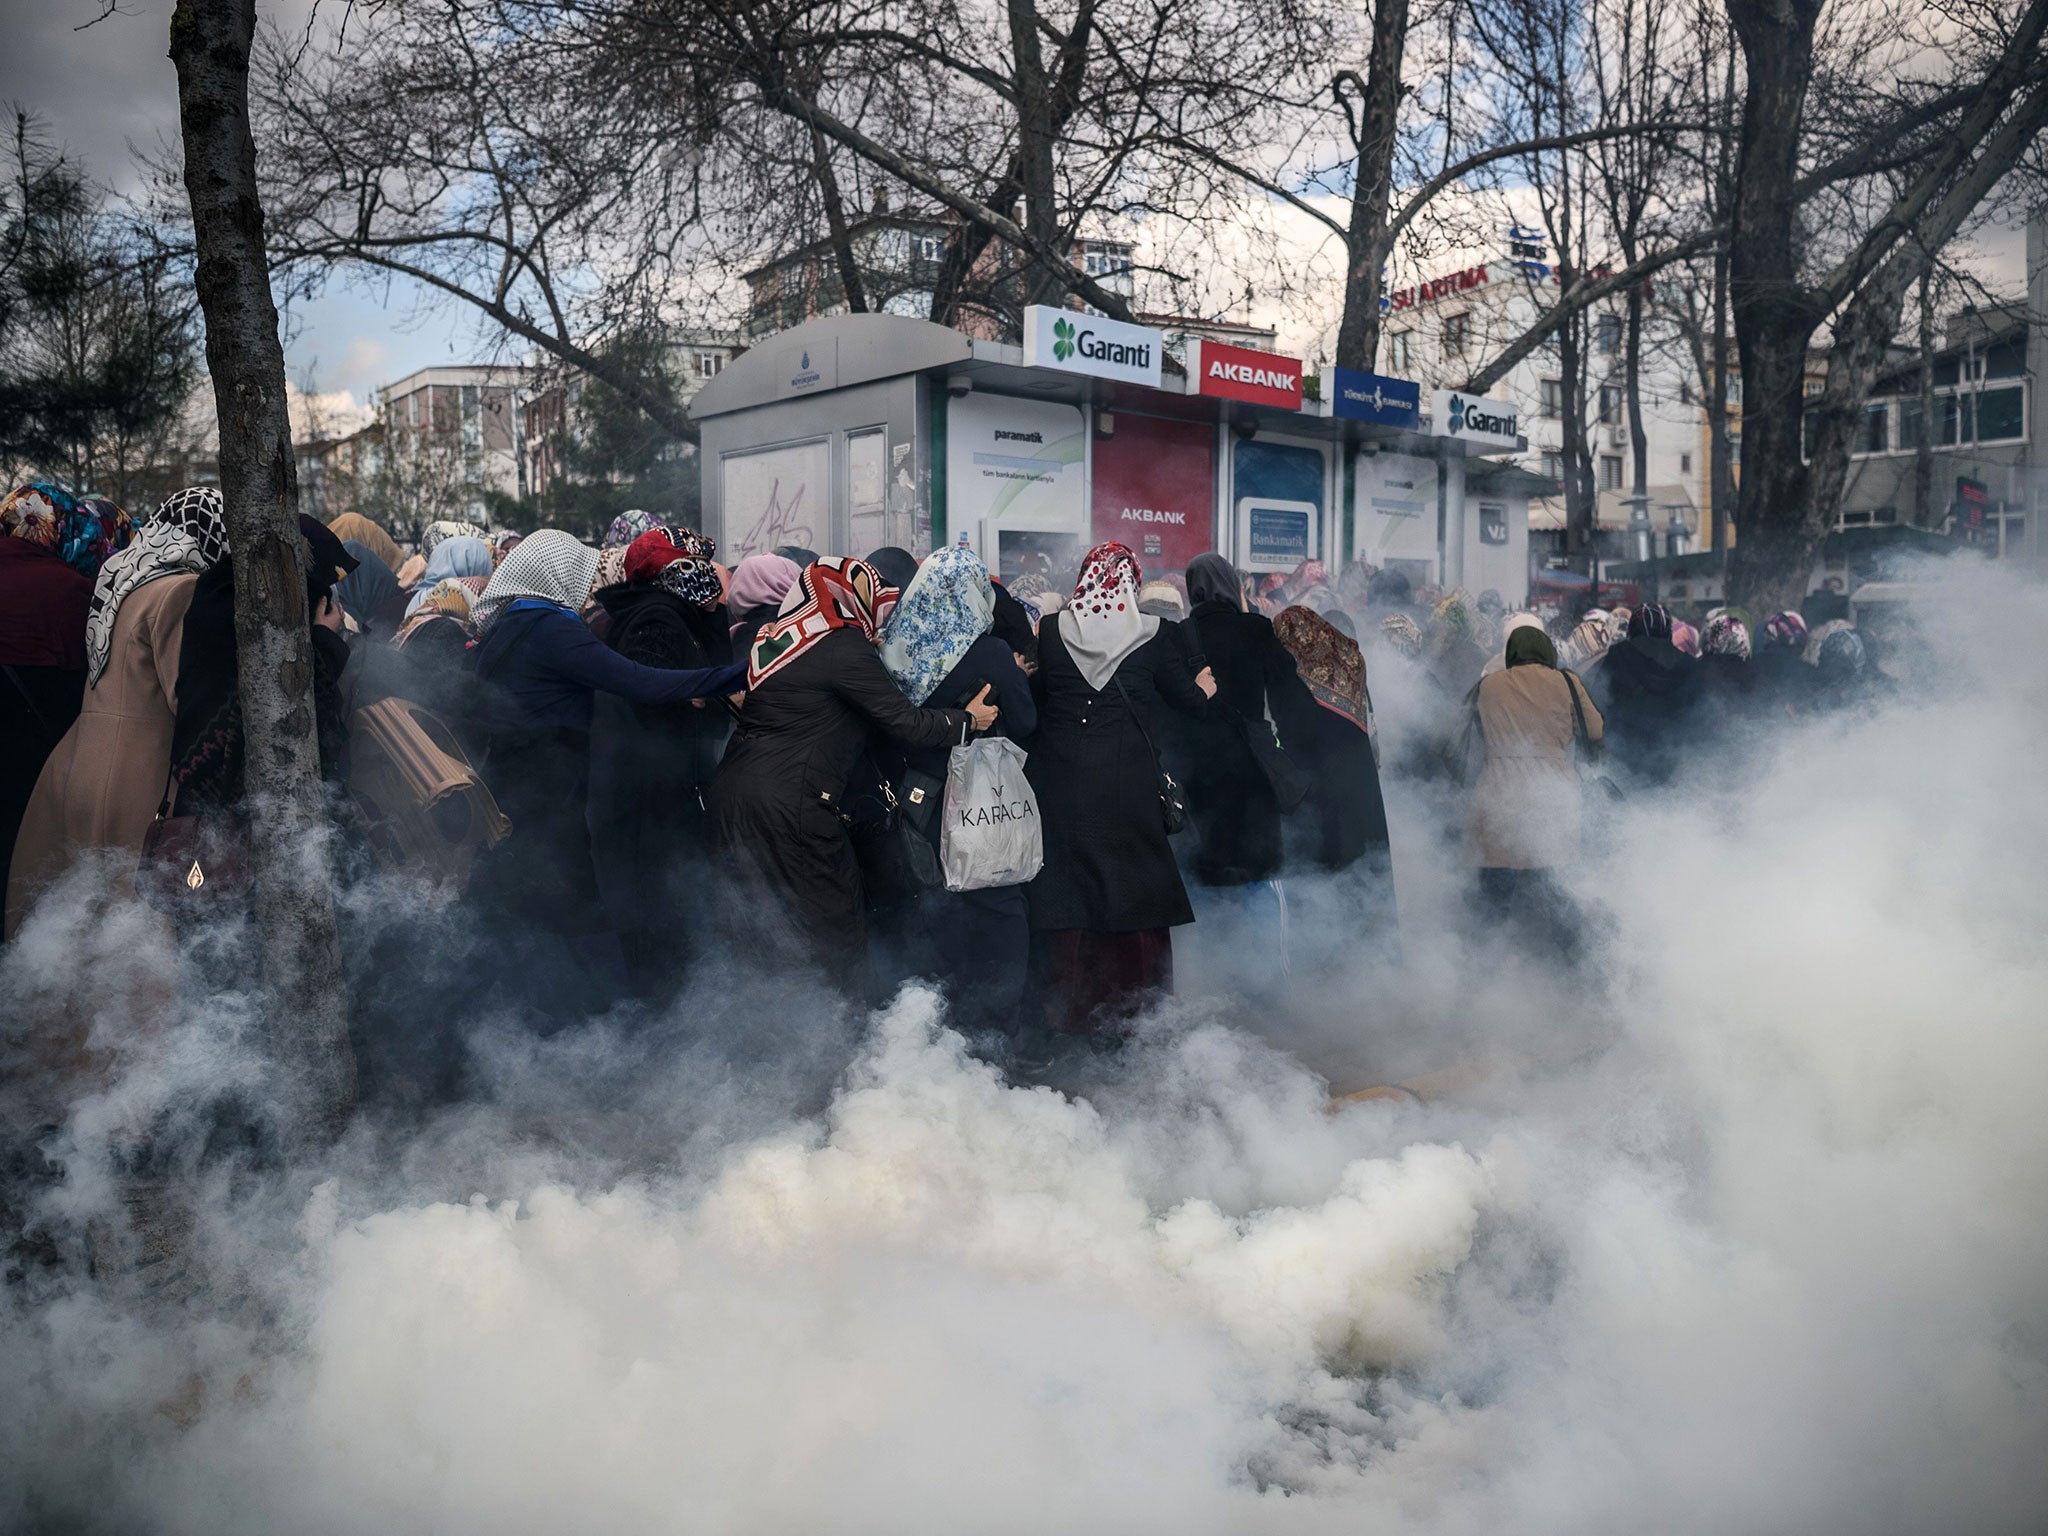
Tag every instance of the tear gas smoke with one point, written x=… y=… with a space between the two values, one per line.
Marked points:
x=1744 y=1227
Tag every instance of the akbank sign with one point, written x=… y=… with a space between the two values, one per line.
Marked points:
x=1456 y=414
x=1075 y=342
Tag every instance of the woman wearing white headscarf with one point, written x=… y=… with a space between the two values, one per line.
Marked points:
x=540 y=668
x=1110 y=893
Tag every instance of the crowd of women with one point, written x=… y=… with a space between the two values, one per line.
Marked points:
x=704 y=766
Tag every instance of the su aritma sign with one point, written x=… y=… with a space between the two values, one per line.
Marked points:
x=1240 y=373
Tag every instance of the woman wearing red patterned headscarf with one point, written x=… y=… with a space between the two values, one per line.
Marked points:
x=816 y=692
x=1104 y=906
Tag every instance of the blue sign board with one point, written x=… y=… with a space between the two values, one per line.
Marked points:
x=1373 y=397
x=1280 y=536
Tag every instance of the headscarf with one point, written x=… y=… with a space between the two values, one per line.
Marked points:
x=441 y=530
x=611 y=569
x=1510 y=625
x=353 y=525
x=454 y=598
x=1162 y=599
x=503 y=541
x=1401 y=633
x=1213 y=579
x=948 y=606
x=676 y=560
x=830 y=593
x=83 y=532
x=1787 y=629
x=898 y=567
x=1651 y=621
x=410 y=573
x=1329 y=661
x=628 y=526
x=1820 y=636
x=1726 y=635
x=760 y=581
x=187 y=535
x=1588 y=644
x=464 y=555
x=549 y=565
x=1617 y=623
x=796 y=554
x=1102 y=625
x=1843 y=655
x=329 y=562
x=1685 y=637
x=1529 y=645
x=368 y=587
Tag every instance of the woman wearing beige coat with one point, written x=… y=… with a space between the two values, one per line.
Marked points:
x=1527 y=817
x=101 y=787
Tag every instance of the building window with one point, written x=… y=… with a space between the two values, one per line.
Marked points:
x=1610 y=404
x=1398 y=351
x=1813 y=387
x=929 y=248
x=1873 y=433
x=1607 y=335
x=1457 y=333
x=1610 y=472
x=1685 y=463
x=1685 y=392
x=2001 y=415
x=1553 y=466
x=1550 y=398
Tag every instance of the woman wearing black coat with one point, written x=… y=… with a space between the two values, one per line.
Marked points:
x=1105 y=903
x=816 y=690
x=651 y=765
x=1229 y=796
x=942 y=647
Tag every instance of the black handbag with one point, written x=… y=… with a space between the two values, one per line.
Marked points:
x=1173 y=800
x=1289 y=784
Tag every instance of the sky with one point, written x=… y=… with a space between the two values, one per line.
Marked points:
x=104 y=89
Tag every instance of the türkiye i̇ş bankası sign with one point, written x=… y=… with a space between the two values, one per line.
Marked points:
x=1240 y=373
x=1080 y=343
x=1373 y=397
x=1452 y=413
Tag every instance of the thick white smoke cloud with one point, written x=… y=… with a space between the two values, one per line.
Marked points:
x=1745 y=1228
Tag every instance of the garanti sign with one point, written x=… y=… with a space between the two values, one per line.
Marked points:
x=1240 y=373
x=1075 y=342
x=1454 y=413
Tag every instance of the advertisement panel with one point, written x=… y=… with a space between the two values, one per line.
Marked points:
x=1373 y=397
x=1075 y=342
x=1277 y=492
x=1014 y=483
x=1240 y=373
x=1395 y=510
x=775 y=496
x=1496 y=423
x=1154 y=488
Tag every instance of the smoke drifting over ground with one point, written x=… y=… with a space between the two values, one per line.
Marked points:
x=1743 y=1229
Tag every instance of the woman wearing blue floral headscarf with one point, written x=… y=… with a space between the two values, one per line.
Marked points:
x=941 y=647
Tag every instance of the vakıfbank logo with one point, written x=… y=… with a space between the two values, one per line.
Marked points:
x=1063 y=339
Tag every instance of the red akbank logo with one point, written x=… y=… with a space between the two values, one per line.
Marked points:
x=1240 y=373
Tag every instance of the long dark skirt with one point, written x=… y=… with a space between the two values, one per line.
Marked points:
x=1095 y=982
x=1532 y=906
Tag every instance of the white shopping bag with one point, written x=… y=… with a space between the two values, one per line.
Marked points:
x=989 y=834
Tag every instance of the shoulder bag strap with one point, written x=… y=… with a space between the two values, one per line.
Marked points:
x=1118 y=684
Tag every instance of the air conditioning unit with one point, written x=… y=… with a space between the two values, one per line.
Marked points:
x=1617 y=436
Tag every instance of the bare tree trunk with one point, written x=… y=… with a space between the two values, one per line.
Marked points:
x=1720 y=457
x=1372 y=190
x=306 y=1007
x=1581 y=490
x=835 y=221
x=1036 y=135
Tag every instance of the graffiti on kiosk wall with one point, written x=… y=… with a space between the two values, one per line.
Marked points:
x=773 y=497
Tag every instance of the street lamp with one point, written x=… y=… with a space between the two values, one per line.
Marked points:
x=1676 y=534
x=1642 y=537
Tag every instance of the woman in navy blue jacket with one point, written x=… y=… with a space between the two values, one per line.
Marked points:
x=941 y=647
x=541 y=669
